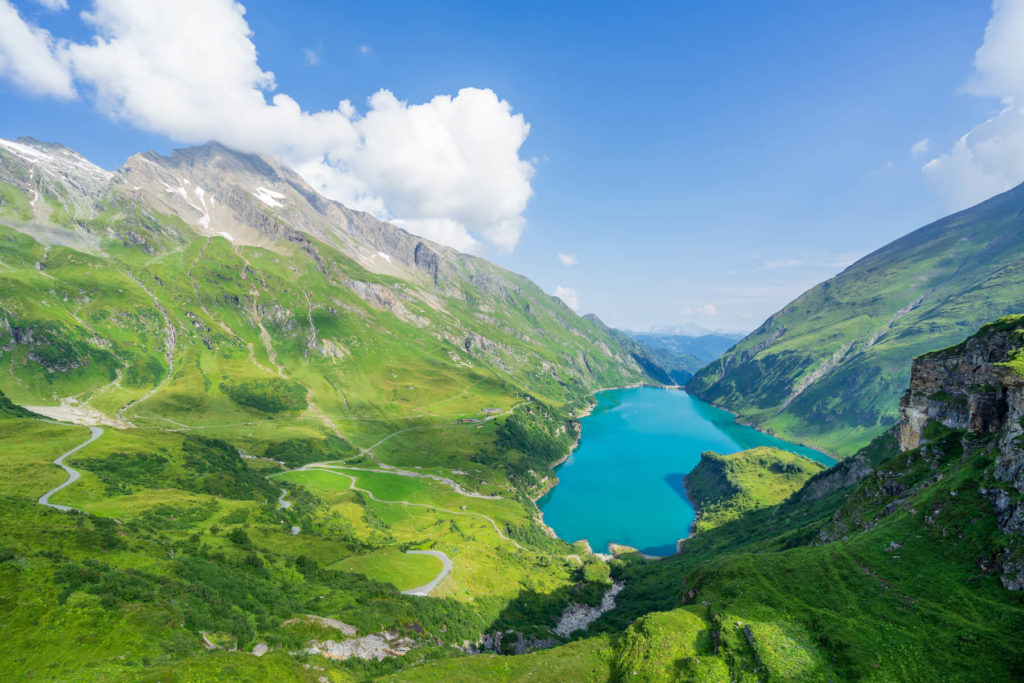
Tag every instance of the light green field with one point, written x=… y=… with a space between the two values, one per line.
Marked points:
x=394 y=567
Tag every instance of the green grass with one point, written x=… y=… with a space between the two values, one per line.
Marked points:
x=392 y=566
x=725 y=486
x=30 y=447
x=583 y=660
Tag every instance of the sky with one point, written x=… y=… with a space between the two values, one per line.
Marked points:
x=660 y=164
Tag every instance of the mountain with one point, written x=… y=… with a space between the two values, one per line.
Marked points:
x=142 y=294
x=704 y=347
x=302 y=422
x=828 y=369
x=902 y=563
x=662 y=365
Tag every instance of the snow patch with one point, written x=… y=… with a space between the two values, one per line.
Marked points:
x=384 y=256
x=269 y=197
x=58 y=162
x=226 y=235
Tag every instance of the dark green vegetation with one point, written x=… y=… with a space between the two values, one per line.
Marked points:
x=828 y=369
x=9 y=409
x=272 y=395
x=723 y=487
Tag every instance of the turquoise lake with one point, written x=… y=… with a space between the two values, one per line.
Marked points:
x=624 y=483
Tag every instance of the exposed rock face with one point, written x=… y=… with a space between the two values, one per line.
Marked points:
x=843 y=474
x=964 y=387
x=579 y=617
x=373 y=646
x=514 y=643
x=968 y=387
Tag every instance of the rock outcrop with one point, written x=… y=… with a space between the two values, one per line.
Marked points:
x=970 y=386
x=974 y=387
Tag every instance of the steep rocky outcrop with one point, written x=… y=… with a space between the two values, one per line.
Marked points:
x=976 y=387
x=972 y=386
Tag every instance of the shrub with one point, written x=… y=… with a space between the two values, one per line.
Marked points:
x=273 y=395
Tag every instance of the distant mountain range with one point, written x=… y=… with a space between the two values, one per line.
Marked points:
x=704 y=347
x=829 y=368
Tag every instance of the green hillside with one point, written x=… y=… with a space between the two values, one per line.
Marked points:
x=292 y=396
x=891 y=566
x=828 y=369
x=722 y=487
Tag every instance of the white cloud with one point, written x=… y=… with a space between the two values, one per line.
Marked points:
x=27 y=56
x=570 y=296
x=989 y=158
x=364 y=49
x=188 y=69
x=920 y=147
x=443 y=230
x=312 y=58
x=53 y=5
x=567 y=259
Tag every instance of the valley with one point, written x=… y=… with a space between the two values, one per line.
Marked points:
x=251 y=434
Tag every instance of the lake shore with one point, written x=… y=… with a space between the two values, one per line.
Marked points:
x=765 y=430
x=658 y=516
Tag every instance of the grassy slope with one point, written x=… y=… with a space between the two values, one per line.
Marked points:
x=901 y=594
x=924 y=291
x=274 y=356
x=723 y=487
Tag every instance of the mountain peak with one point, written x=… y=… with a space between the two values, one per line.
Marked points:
x=211 y=155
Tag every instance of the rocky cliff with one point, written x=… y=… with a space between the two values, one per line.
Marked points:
x=977 y=388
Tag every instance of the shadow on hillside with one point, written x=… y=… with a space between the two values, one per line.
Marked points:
x=675 y=482
x=528 y=622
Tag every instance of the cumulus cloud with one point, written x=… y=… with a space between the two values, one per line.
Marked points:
x=189 y=69
x=567 y=259
x=920 y=147
x=569 y=296
x=989 y=159
x=27 y=56
x=53 y=5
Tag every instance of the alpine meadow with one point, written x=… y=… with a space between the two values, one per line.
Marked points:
x=276 y=403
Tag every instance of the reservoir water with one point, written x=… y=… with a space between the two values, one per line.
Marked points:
x=624 y=483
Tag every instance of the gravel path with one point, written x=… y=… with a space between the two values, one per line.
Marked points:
x=73 y=475
x=426 y=588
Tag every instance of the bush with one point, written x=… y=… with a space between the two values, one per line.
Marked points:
x=240 y=538
x=272 y=395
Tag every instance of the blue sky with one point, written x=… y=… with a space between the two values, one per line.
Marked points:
x=703 y=162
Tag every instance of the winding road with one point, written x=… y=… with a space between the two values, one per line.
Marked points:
x=73 y=475
x=425 y=589
x=355 y=487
